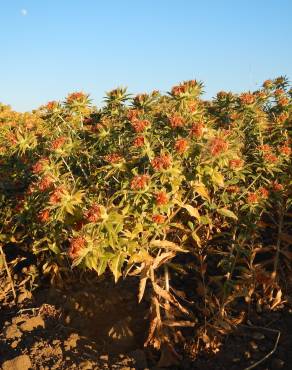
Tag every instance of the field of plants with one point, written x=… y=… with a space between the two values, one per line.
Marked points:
x=168 y=208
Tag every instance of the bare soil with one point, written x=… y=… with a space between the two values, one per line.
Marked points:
x=100 y=325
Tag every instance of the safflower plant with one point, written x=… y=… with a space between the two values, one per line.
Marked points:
x=163 y=187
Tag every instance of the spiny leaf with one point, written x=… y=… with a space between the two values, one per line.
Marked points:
x=227 y=213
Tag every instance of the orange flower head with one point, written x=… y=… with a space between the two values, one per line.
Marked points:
x=139 y=141
x=282 y=117
x=197 y=130
x=161 y=198
x=247 y=98
x=44 y=216
x=264 y=192
x=283 y=102
x=139 y=182
x=133 y=114
x=39 y=165
x=161 y=162
x=158 y=219
x=271 y=158
x=51 y=105
x=46 y=183
x=218 y=146
x=75 y=97
x=233 y=189
x=140 y=125
x=252 y=198
x=285 y=149
x=279 y=92
x=56 y=195
x=57 y=143
x=176 y=121
x=181 y=145
x=76 y=245
x=93 y=214
x=277 y=187
x=235 y=163
x=113 y=158
x=265 y=148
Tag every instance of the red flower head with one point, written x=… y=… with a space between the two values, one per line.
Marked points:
x=192 y=105
x=77 y=96
x=252 y=198
x=235 y=163
x=264 y=192
x=247 y=98
x=176 y=121
x=139 y=182
x=139 y=141
x=197 y=130
x=269 y=157
x=57 y=143
x=51 y=105
x=178 y=90
x=233 y=189
x=282 y=117
x=39 y=165
x=279 y=92
x=44 y=215
x=76 y=245
x=181 y=145
x=158 y=219
x=277 y=187
x=133 y=114
x=56 y=196
x=140 y=125
x=265 y=148
x=45 y=183
x=93 y=214
x=285 y=149
x=218 y=146
x=161 y=162
x=113 y=158
x=283 y=102
x=161 y=198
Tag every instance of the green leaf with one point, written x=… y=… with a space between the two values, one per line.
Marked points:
x=227 y=213
x=116 y=265
x=192 y=211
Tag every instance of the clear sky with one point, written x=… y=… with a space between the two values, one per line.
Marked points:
x=49 y=48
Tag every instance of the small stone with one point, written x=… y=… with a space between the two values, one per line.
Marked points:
x=32 y=323
x=277 y=363
x=236 y=359
x=86 y=365
x=23 y=296
x=14 y=344
x=12 y=332
x=253 y=345
x=247 y=354
x=258 y=336
x=71 y=342
x=103 y=357
x=18 y=319
x=18 y=363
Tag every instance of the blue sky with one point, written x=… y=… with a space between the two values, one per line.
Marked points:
x=52 y=47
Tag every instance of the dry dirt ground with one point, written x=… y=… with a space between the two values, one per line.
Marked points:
x=101 y=326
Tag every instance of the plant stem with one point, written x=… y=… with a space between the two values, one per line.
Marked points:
x=8 y=273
